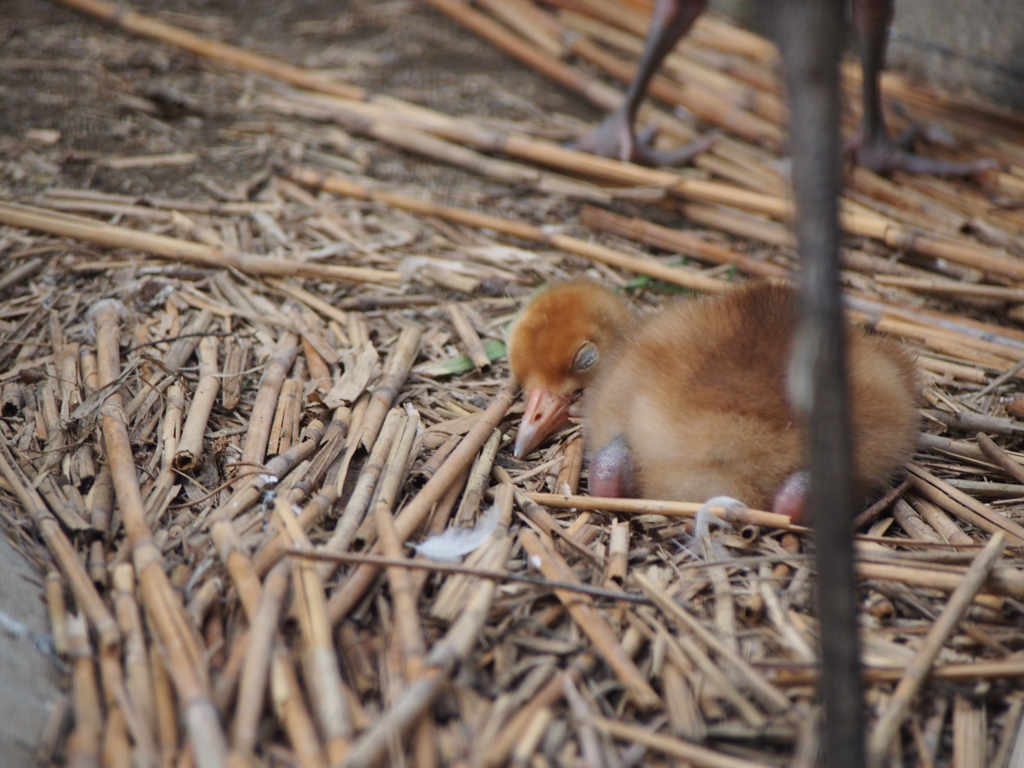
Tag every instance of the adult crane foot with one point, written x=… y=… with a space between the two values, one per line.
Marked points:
x=883 y=154
x=615 y=138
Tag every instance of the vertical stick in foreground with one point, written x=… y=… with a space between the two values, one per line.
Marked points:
x=810 y=36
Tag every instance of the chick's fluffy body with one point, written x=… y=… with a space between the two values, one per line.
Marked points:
x=698 y=392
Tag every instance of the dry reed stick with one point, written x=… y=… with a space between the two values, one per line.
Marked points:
x=190 y=446
x=83 y=746
x=139 y=24
x=590 y=621
x=260 y=421
x=320 y=662
x=387 y=389
x=67 y=559
x=768 y=694
x=673 y=240
x=342 y=186
x=442 y=659
x=413 y=514
x=700 y=757
x=985 y=517
x=252 y=685
x=111 y=236
x=139 y=679
x=360 y=495
x=162 y=604
x=469 y=336
x=917 y=670
x=667 y=508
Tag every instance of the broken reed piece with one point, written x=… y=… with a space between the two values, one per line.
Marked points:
x=136 y=657
x=252 y=685
x=590 y=620
x=343 y=186
x=416 y=510
x=320 y=661
x=137 y=23
x=667 y=508
x=1000 y=457
x=254 y=450
x=887 y=727
x=469 y=336
x=980 y=515
x=670 y=239
x=164 y=608
x=386 y=390
x=60 y=548
x=440 y=662
x=172 y=248
x=190 y=446
x=770 y=696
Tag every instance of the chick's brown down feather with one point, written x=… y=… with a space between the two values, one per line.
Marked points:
x=697 y=396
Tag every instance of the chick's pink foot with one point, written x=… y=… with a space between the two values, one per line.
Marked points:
x=791 y=498
x=611 y=470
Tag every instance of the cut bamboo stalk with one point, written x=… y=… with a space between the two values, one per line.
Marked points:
x=940 y=521
x=415 y=512
x=343 y=186
x=67 y=559
x=668 y=508
x=320 y=662
x=190 y=446
x=768 y=694
x=262 y=418
x=673 y=240
x=952 y=287
x=469 y=336
x=252 y=686
x=438 y=666
x=917 y=670
x=162 y=604
x=590 y=621
x=111 y=236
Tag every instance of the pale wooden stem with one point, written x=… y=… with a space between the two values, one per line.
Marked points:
x=190 y=447
x=384 y=394
x=413 y=514
x=252 y=686
x=590 y=620
x=187 y=665
x=172 y=248
x=254 y=450
x=469 y=336
x=917 y=670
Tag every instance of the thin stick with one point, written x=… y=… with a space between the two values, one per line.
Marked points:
x=917 y=670
x=111 y=236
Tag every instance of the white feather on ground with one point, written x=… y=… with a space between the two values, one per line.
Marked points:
x=451 y=545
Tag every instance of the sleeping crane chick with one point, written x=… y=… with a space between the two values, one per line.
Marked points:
x=555 y=348
x=692 y=403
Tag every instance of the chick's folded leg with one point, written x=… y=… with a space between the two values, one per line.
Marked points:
x=616 y=136
x=545 y=412
x=791 y=497
x=872 y=146
x=611 y=470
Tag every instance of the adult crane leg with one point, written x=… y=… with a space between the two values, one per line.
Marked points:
x=616 y=136
x=873 y=147
x=810 y=35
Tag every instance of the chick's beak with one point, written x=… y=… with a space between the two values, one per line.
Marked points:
x=545 y=412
